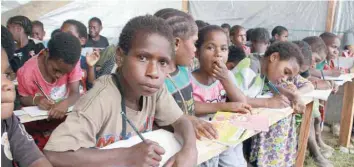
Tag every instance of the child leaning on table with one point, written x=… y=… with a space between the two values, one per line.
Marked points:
x=17 y=146
x=145 y=46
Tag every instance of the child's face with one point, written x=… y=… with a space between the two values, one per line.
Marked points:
x=316 y=58
x=37 y=33
x=94 y=29
x=333 y=49
x=259 y=46
x=146 y=65
x=214 y=48
x=71 y=29
x=16 y=31
x=56 y=68
x=7 y=89
x=283 y=37
x=278 y=70
x=186 y=51
x=239 y=38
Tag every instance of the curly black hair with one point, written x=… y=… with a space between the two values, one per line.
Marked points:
x=225 y=25
x=66 y=47
x=38 y=23
x=23 y=21
x=96 y=19
x=182 y=24
x=305 y=50
x=235 y=29
x=56 y=31
x=328 y=37
x=286 y=50
x=317 y=45
x=7 y=42
x=147 y=24
x=80 y=27
x=201 y=24
x=236 y=54
x=202 y=34
x=248 y=34
x=260 y=35
x=278 y=30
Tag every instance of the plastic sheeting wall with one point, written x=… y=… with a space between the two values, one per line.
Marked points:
x=301 y=18
x=114 y=14
x=344 y=18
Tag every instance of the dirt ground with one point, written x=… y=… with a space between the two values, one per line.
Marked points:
x=338 y=158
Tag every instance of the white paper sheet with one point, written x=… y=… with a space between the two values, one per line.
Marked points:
x=19 y=112
x=34 y=111
x=343 y=77
x=165 y=139
x=345 y=62
x=319 y=94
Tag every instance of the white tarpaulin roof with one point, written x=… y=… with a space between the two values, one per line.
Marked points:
x=302 y=18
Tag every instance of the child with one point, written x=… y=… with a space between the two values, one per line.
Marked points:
x=238 y=38
x=146 y=44
x=88 y=61
x=318 y=149
x=333 y=43
x=56 y=70
x=95 y=39
x=320 y=49
x=213 y=83
x=20 y=28
x=37 y=30
x=260 y=40
x=236 y=54
x=348 y=43
x=280 y=33
x=226 y=28
x=17 y=147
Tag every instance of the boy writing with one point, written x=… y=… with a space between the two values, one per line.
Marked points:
x=146 y=45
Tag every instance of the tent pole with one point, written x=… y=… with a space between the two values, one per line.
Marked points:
x=185 y=6
x=331 y=10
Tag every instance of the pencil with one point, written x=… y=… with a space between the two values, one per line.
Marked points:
x=322 y=75
x=42 y=91
x=273 y=87
x=132 y=125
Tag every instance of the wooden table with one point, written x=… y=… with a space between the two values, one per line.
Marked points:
x=346 y=122
x=209 y=149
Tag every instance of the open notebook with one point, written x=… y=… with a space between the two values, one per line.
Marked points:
x=34 y=111
x=165 y=139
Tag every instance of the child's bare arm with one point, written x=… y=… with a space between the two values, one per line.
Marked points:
x=317 y=73
x=210 y=108
x=184 y=130
x=42 y=162
x=147 y=152
x=223 y=75
x=274 y=102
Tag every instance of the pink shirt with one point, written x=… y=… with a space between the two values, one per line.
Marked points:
x=213 y=93
x=57 y=91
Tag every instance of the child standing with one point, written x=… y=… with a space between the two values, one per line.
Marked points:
x=318 y=149
x=280 y=33
x=17 y=147
x=56 y=70
x=20 y=28
x=238 y=38
x=146 y=45
x=88 y=61
x=348 y=43
x=213 y=83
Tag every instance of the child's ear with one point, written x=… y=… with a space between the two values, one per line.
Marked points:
x=177 y=43
x=274 y=57
x=119 y=56
x=276 y=36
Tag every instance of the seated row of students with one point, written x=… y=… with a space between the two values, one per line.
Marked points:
x=150 y=47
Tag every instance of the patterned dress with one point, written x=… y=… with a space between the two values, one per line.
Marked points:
x=278 y=146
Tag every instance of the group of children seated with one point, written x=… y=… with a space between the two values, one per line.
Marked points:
x=157 y=84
